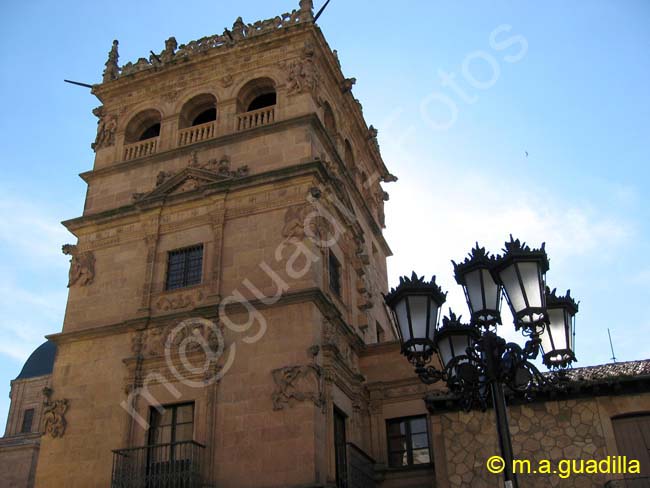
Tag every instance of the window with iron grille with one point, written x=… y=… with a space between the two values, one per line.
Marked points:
x=335 y=274
x=28 y=419
x=184 y=267
x=408 y=441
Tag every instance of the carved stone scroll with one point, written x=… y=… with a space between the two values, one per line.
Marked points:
x=54 y=422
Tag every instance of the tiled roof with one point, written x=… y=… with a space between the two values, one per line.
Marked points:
x=610 y=371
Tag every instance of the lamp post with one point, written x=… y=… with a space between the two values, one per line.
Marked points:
x=476 y=363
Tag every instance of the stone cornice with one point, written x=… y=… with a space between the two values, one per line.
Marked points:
x=21 y=441
x=315 y=295
x=125 y=82
x=631 y=385
x=337 y=74
x=303 y=169
x=381 y=348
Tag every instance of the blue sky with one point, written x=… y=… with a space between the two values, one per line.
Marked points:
x=575 y=98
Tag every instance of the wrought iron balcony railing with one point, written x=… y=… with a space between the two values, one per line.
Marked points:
x=176 y=465
x=361 y=468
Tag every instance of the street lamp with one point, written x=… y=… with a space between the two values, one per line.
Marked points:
x=475 y=362
x=557 y=339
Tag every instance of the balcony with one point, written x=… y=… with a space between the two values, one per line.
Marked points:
x=196 y=133
x=361 y=468
x=140 y=149
x=255 y=118
x=176 y=465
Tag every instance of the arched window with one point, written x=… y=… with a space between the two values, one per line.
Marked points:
x=328 y=119
x=257 y=94
x=349 y=155
x=201 y=109
x=145 y=125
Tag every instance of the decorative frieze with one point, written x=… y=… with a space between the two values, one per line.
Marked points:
x=173 y=52
x=179 y=301
x=196 y=175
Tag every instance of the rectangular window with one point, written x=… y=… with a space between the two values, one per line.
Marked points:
x=335 y=274
x=175 y=423
x=28 y=419
x=408 y=441
x=380 y=332
x=184 y=267
x=169 y=453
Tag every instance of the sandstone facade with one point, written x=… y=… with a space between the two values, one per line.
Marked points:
x=285 y=332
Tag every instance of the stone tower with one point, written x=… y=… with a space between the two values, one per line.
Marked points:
x=228 y=272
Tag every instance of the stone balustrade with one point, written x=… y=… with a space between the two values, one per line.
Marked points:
x=140 y=149
x=255 y=118
x=197 y=133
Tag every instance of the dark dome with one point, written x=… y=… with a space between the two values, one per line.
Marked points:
x=40 y=362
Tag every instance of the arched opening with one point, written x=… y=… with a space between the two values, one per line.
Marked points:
x=262 y=101
x=257 y=94
x=145 y=125
x=349 y=155
x=328 y=119
x=201 y=109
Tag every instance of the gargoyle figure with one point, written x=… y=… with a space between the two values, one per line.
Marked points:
x=82 y=265
x=347 y=84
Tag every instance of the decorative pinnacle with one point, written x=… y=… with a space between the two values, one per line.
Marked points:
x=476 y=259
x=515 y=249
x=516 y=246
x=567 y=300
x=417 y=285
x=451 y=319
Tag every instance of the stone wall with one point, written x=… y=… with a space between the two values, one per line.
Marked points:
x=571 y=429
x=18 y=458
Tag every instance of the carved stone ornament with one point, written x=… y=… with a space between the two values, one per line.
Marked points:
x=153 y=342
x=347 y=84
x=333 y=339
x=297 y=384
x=106 y=127
x=372 y=137
x=54 y=422
x=302 y=74
x=227 y=81
x=167 y=55
x=240 y=32
x=304 y=221
x=112 y=70
x=178 y=302
x=82 y=265
x=196 y=175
